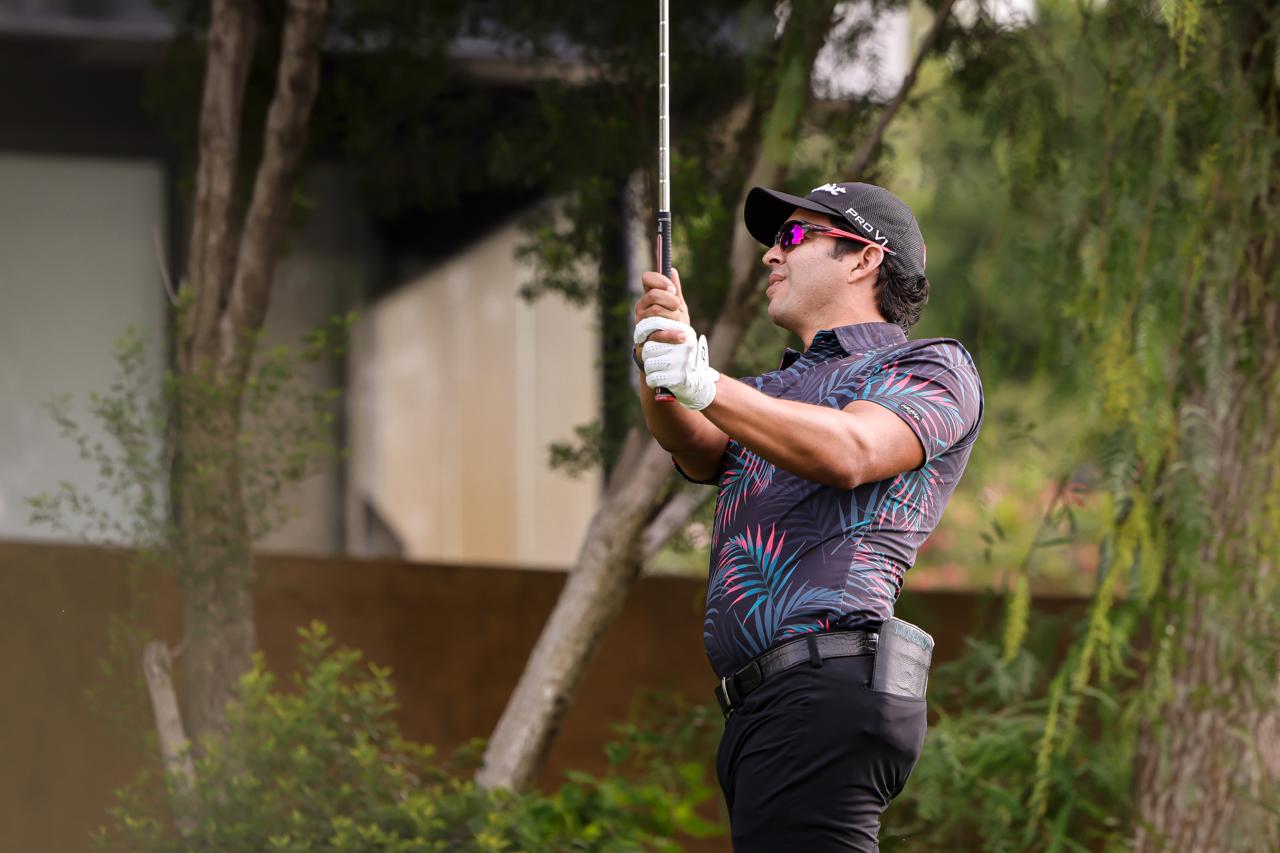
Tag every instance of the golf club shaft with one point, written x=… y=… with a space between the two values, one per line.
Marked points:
x=664 y=162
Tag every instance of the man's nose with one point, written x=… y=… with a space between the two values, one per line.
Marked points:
x=774 y=256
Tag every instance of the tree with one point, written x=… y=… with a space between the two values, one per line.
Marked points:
x=188 y=457
x=381 y=98
x=1207 y=773
x=640 y=508
x=223 y=302
x=1142 y=157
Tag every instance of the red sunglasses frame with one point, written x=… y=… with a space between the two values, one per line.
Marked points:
x=815 y=228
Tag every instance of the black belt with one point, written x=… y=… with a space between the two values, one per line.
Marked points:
x=811 y=648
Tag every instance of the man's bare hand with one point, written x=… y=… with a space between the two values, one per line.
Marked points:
x=663 y=297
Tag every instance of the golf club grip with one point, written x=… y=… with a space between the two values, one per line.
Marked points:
x=662 y=395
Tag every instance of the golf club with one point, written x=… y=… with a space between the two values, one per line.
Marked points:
x=664 y=163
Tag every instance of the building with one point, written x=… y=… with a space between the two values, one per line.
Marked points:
x=447 y=437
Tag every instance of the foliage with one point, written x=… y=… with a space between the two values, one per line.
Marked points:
x=973 y=786
x=323 y=765
x=285 y=433
x=139 y=460
x=1134 y=157
x=577 y=457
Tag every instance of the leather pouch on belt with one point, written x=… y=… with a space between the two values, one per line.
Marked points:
x=903 y=655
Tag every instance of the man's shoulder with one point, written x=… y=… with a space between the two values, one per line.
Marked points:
x=931 y=370
x=943 y=353
x=944 y=348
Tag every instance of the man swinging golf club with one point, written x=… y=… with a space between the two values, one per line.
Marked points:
x=832 y=471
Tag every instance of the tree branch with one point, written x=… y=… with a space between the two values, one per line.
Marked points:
x=232 y=26
x=807 y=28
x=746 y=272
x=871 y=144
x=163 y=264
x=297 y=80
x=671 y=519
x=592 y=596
x=157 y=667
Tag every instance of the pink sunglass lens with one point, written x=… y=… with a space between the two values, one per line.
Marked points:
x=792 y=235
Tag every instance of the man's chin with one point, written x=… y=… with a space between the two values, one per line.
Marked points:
x=778 y=315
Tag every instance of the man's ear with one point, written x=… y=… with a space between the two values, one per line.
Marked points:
x=869 y=260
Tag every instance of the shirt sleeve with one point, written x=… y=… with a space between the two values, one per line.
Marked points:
x=936 y=390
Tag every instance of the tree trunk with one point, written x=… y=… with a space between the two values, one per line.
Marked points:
x=227 y=287
x=633 y=521
x=1207 y=762
x=1206 y=773
x=1207 y=765
x=593 y=595
x=217 y=561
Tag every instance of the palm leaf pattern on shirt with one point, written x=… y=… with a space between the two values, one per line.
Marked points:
x=747 y=475
x=864 y=505
x=837 y=388
x=911 y=500
x=833 y=557
x=873 y=584
x=753 y=579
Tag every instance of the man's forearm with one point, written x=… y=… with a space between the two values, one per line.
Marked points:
x=696 y=443
x=812 y=442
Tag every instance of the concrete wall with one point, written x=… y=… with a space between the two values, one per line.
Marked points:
x=457 y=386
x=81 y=240
x=78 y=266
x=326 y=269
x=457 y=389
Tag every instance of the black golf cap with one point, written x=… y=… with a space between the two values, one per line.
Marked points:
x=866 y=209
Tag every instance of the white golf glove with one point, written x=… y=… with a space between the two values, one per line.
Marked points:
x=680 y=368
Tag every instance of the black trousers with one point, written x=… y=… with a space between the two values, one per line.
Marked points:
x=813 y=756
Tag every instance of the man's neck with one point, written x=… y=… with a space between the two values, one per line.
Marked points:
x=838 y=320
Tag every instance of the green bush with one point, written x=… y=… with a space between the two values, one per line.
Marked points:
x=1005 y=768
x=324 y=767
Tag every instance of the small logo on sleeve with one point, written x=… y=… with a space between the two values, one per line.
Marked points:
x=911 y=410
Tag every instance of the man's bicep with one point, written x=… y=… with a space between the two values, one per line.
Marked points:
x=889 y=445
x=935 y=391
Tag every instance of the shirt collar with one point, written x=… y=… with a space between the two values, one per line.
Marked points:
x=847 y=340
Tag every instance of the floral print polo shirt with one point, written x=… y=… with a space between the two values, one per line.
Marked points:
x=790 y=556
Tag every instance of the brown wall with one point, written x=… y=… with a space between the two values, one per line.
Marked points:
x=455 y=638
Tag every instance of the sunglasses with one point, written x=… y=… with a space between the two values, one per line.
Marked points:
x=793 y=232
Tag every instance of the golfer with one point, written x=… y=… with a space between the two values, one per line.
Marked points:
x=832 y=471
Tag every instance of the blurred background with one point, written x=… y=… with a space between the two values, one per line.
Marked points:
x=316 y=397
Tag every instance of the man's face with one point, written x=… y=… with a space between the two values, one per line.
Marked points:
x=805 y=280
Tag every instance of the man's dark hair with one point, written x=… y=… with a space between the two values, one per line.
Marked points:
x=899 y=297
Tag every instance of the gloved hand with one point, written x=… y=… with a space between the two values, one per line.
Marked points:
x=681 y=368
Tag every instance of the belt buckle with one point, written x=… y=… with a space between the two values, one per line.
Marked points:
x=722 y=697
